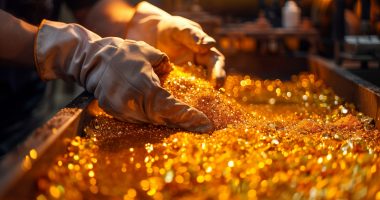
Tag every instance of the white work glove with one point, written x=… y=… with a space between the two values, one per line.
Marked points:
x=181 y=39
x=119 y=72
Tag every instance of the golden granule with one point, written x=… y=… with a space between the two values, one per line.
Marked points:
x=273 y=140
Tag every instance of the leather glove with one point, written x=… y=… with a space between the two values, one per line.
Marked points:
x=119 y=72
x=181 y=39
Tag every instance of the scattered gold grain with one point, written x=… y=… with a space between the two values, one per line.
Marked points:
x=273 y=140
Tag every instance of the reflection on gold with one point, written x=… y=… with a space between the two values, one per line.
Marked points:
x=27 y=163
x=33 y=153
x=273 y=140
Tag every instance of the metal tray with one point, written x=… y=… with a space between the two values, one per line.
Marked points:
x=20 y=169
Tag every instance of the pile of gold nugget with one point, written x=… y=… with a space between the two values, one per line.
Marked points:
x=273 y=140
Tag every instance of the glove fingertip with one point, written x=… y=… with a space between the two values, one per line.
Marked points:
x=163 y=67
x=204 y=128
x=208 y=41
x=219 y=82
x=199 y=123
x=205 y=44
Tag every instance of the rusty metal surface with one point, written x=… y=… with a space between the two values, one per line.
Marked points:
x=18 y=170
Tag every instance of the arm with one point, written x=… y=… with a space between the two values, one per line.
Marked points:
x=120 y=73
x=17 y=39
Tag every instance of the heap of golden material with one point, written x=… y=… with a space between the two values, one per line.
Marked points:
x=273 y=140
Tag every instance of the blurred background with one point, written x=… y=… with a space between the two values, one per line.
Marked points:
x=254 y=38
x=258 y=39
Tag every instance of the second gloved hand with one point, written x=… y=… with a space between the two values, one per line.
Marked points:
x=181 y=39
x=119 y=72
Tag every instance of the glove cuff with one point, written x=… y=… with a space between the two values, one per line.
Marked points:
x=55 y=47
x=45 y=73
x=48 y=55
x=143 y=26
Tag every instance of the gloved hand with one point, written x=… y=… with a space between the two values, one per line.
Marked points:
x=181 y=39
x=119 y=72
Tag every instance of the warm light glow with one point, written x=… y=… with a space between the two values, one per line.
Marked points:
x=295 y=138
